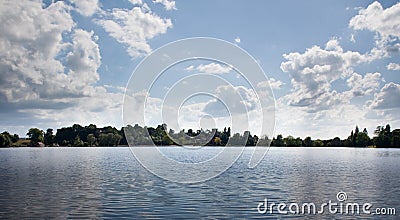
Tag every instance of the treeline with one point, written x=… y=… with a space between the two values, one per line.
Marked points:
x=91 y=135
x=383 y=137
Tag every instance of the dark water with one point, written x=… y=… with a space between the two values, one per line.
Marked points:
x=109 y=183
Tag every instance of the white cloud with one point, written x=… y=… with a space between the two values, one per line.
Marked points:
x=276 y=84
x=384 y=22
x=393 y=66
x=32 y=41
x=86 y=7
x=84 y=59
x=112 y=88
x=315 y=101
x=237 y=40
x=360 y=86
x=49 y=68
x=136 y=2
x=101 y=109
x=237 y=100
x=387 y=98
x=273 y=83
x=168 y=4
x=134 y=27
x=313 y=71
x=374 y=18
x=212 y=68
x=326 y=124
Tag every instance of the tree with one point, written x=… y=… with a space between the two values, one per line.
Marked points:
x=308 y=142
x=116 y=139
x=49 y=137
x=109 y=139
x=91 y=139
x=335 y=142
x=35 y=135
x=362 y=140
x=78 y=142
x=318 y=143
x=396 y=138
x=5 y=140
x=278 y=141
x=365 y=131
x=290 y=141
x=65 y=136
x=15 y=138
x=383 y=136
x=264 y=141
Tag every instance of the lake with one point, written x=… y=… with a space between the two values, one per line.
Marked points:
x=108 y=183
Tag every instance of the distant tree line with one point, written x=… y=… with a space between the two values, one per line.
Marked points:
x=91 y=135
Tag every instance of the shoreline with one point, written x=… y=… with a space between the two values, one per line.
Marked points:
x=173 y=146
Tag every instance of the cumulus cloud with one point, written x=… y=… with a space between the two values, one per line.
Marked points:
x=326 y=64
x=31 y=42
x=360 y=86
x=387 y=98
x=374 y=18
x=273 y=83
x=134 y=27
x=86 y=7
x=48 y=68
x=384 y=22
x=276 y=84
x=212 y=68
x=168 y=4
x=393 y=66
x=83 y=60
x=313 y=71
x=237 y=100
x=49 y=65
x=136 y=2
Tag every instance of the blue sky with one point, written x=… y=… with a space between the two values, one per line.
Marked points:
x=332 y=65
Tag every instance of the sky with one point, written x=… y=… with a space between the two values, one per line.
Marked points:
x=331 y=65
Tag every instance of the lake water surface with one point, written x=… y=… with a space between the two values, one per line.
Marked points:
x=108 y=183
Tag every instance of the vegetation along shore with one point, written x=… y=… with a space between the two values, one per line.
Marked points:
x=91 y=136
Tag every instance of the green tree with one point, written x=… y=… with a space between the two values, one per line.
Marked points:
x=91 y=139
x=116 y=139
x=5 y=140
x=49 y=137
x=308 y=142
x=362 y=140
x=396 y=138
x=318 y=143
x=35 y=135
x=78 y=142
x=278 y=141
x=109 y=139
x=14 y=138
x=335 y=142
x=383 y=136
